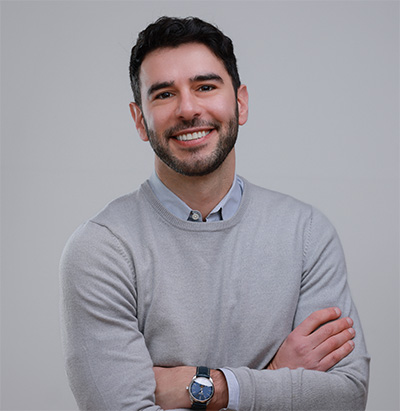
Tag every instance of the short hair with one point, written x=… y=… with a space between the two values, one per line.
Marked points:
x=173 y=32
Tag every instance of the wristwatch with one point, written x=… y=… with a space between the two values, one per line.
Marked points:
x=201 y=389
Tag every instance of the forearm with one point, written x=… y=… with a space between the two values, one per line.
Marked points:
x=300 y=390
x=171 y=390
x=303 y=374
x=281 y=389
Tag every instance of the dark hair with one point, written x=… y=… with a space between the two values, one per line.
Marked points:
x=173 y=32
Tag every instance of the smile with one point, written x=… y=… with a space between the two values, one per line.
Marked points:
x=192 y=136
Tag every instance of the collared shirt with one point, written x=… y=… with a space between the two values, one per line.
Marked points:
x=224 y=210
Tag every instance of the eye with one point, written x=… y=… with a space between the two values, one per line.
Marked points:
x=164 y=95
x=206 y=87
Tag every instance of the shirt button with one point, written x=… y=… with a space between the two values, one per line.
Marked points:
x=195 y=216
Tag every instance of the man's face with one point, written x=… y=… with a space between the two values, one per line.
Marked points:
x=190 y=113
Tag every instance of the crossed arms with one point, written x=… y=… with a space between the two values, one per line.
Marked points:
x=110 y=356
x=318 y=343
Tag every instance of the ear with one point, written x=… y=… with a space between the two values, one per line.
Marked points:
x=243 y=104
x=137 y=116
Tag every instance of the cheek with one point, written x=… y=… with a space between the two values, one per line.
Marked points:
x=223 y=106
x=222 y=111
x=157 y=119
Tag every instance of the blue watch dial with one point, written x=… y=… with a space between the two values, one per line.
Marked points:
x=201 y=392
x=201 y=389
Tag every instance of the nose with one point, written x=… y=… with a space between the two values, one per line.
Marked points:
x=188 y=106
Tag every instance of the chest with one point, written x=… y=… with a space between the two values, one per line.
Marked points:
x=217 y=298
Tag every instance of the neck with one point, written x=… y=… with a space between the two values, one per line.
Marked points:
x=200 y=193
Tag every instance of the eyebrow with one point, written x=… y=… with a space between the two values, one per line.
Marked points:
x=158 y=86
x=200 y=77
x=208 y=77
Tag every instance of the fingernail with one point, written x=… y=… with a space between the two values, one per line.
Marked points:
x=349 y=320
x=351 y=331
x=337 y=311
x=351 y=342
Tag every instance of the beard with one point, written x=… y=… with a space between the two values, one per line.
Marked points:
x=196 y=165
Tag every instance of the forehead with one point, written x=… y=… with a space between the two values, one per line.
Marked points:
x=180 y=63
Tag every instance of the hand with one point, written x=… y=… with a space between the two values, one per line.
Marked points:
x=171 y=389
x=317 y=343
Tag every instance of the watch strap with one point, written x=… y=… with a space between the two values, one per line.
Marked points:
x=203 y=372
x=198 y=406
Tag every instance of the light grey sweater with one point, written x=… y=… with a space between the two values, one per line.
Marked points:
x=142 y=287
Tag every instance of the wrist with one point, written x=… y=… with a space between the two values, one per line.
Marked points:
x=221 y=393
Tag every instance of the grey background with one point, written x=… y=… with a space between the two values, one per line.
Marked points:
x=323 y=78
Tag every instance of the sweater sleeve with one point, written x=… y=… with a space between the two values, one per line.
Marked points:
x=107 y=362
x=324 y=284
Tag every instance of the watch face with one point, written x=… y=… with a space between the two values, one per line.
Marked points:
x=201 y=389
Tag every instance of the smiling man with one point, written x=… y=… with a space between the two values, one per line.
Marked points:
x=190 y=113
x=201 y=290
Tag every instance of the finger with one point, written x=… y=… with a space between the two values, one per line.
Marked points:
x=334 y=357
x=328 y=330
x=333 y=343
x=316 y=319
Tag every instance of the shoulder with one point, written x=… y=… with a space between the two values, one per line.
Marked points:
x=125 y=211
x=283 y=207
x=107 y=228
x=274 y=200
x=99 y=245
x=118 y=210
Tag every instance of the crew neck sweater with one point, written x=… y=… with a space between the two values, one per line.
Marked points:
x=141 y=287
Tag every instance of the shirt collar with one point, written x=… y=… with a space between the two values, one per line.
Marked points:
x=224 y=210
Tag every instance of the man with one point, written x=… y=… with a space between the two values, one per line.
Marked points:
x=200 y=274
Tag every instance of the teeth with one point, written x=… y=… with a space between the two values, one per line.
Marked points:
x=192 y=136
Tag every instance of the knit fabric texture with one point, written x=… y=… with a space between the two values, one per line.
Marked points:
x=140 y=287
